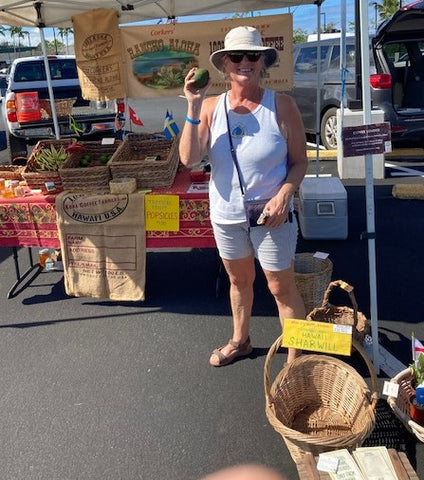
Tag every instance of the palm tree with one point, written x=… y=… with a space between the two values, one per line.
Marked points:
x=387 y=8
x=65 y=32
x=19 y=33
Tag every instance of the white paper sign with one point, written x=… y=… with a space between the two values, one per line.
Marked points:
x=327 y=464
x=391 y=389
x=321 y=255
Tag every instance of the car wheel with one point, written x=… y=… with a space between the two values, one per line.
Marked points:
x=329 y=129
x=17 y=147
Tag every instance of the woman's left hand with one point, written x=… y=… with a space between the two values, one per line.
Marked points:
x=277 y=210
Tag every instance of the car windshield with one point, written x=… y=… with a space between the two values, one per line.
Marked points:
x=34 y=70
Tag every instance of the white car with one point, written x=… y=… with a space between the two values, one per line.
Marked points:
x=26 y=104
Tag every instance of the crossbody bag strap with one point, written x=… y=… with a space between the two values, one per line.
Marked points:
x=233 y=152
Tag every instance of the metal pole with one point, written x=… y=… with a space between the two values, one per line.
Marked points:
x=49 y=84
x=318 y=103
x=369 y=184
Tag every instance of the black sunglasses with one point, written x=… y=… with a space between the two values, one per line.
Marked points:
x=237 y=57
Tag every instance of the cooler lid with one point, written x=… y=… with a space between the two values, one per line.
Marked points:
x=322 y=188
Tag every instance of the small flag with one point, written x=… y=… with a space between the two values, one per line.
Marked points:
x=170 y=129
x=417 y=349
x=135 y=119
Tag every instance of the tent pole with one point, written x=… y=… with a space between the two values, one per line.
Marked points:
x=369 y=182
x=49 y=84
x=318 y=102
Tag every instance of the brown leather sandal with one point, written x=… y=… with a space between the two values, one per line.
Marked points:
x=241 y=350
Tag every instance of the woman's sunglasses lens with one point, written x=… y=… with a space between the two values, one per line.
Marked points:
x=238 y=57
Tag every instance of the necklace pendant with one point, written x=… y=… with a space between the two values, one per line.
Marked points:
x=238 y=131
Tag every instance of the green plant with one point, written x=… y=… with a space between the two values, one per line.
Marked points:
x=418 y=370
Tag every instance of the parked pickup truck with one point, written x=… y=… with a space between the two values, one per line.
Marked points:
x=87 y=119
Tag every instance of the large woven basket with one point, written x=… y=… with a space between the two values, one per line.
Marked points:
x=318 y=403
x=11 y=172
x=401 y=404
x=341 y=315
x=151 y=160
x=36 y=178
x=312 y=275
x=94 y=178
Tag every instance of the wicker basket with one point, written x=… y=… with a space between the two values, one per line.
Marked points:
x=312 y=275
x=92 y=178
x=11 y=172
x=318 y=403
x=63 y=107
x=37 y=178
x=341 y=315
x=151 y=160
x=400 y=405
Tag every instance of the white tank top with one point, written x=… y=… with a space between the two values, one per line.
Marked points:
x=261 y=152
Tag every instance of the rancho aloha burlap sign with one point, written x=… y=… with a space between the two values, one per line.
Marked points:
x=103 y=242
x=158 y=57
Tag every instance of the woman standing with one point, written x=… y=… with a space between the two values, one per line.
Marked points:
x=255 y=142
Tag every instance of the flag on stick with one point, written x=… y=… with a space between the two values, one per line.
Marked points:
x=417 y=349
x=170 y=129
x=134 y=118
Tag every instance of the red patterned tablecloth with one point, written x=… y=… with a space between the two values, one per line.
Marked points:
x=31 y=221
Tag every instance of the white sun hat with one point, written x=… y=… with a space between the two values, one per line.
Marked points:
x=243 y=39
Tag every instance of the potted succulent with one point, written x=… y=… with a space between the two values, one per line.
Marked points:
x=417 y=401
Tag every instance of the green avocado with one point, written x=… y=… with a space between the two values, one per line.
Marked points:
x=200 y=77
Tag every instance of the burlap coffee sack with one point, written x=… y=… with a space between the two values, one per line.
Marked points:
x=103 y=241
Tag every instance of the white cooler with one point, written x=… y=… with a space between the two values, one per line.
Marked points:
x=323 y=208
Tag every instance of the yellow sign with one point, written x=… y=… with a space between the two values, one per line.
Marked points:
x=162 y=213
x=317 y=336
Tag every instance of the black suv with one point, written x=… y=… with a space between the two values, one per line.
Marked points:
x=396 y=80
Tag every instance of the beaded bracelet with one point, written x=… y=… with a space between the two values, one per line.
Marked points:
x=192 y=121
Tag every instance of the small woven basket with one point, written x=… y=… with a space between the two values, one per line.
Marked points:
x=94 y=178
x=312 y=275
x=401 y=404
x=151 y=160
x=63 y=107
x=38 y=178
x=341 y=315
x=11 y=172
x=318 y=403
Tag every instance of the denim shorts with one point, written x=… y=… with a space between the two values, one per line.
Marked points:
x=274 y=248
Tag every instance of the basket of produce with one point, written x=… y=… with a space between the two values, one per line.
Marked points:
x=63 y=107
x=341 y=315
x=318 y=403
x=402 y=405
x=149 y=158
x=86 y=168
x=312 y=276
x=11 y=172
x=44 y=162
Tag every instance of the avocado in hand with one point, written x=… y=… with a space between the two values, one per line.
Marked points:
x=200 y=77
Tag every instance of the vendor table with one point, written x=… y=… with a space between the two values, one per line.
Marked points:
x=30 y=221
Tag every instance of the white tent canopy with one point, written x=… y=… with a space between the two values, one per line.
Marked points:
x=58 y=13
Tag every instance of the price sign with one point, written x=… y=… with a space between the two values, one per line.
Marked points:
x=162 y=213
x=317 y=336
